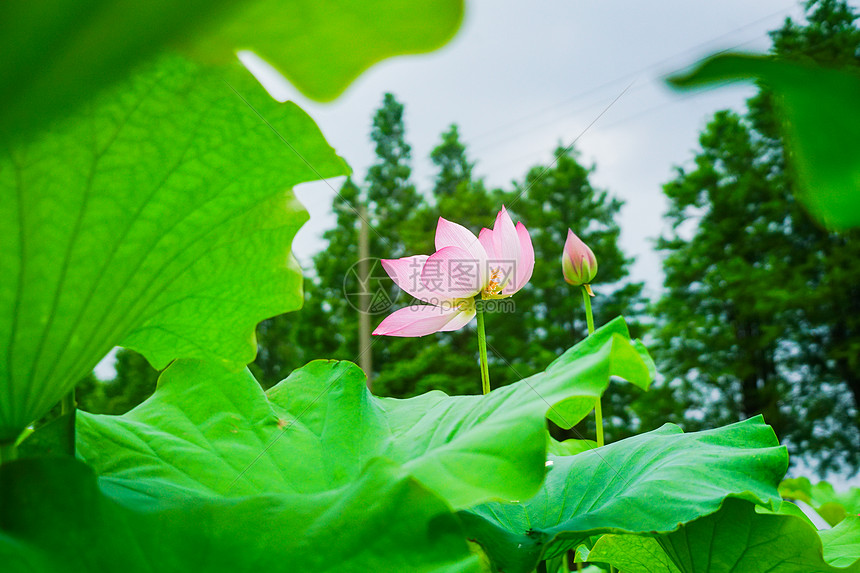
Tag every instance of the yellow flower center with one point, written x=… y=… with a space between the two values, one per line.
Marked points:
x=493 y=287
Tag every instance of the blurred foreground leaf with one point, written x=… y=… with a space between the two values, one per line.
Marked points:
x=58 y=52
x=833 y=506
x=820 y=122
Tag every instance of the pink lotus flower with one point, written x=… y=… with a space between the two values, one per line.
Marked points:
x=496 y=264
x=578 y=262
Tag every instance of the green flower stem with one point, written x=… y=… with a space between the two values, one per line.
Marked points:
x=8 y=452
x=482 y=347
x=598 y=407
x=68 y=404
x=589 y=318
x=598 y=421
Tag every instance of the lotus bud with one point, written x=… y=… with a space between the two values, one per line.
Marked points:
x=577 y=261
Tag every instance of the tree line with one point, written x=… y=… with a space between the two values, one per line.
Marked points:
x=760 y=311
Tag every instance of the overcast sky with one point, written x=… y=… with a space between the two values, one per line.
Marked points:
x=520 y=77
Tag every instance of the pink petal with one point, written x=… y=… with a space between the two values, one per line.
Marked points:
x=578 y=262
x=459 y=321
x=452 y=273
x=574 y=247
x=486 y=239
x=506 y=243
x=526 y=263
x=506 y=248
x=450 y=234
x=421 y=320
x=406 y=273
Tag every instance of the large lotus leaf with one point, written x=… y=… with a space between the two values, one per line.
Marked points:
x=842 y=543
x=466 y=441
x=57 y=52
x=820 y=121
x=323 y=45
x=159 y=219
x=737 y=539
x=214 y=432
x=631 y=554
x=55 y=519
x=648 y=483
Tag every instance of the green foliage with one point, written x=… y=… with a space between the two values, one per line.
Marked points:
x=461 y=447
x=391 y=197
x=825 y=161
x=455 y=170
x=736 y=539
x=761 y=308
x=60 y=52
x=724 y=316
x=106 y=528
x=632 y=553
x=833 y=506
x=156 y=213
x=287 y=341
x=134 y=382
x=322 y=46
x=328 y=325
x=212 y=460
x=121 y=232
x=842 y=543
x=626 y=490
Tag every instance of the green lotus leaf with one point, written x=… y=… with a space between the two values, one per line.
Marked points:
x=212 y=468
x=647 y=483
x=737 y=539
x=59 y=52
x=842 y=543
x=56 y=519
x=214 y=432
x=570 y=447
x=820 y=123
x=160 y=218
x=322 y=46
x=633 y=553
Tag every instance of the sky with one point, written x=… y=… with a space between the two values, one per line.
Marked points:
x=521 y=77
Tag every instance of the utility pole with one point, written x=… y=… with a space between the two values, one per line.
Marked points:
x=364 y=352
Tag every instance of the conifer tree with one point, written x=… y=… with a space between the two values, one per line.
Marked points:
x=761 y=307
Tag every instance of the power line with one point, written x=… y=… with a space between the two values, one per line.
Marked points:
x=633 y=117
x=578 y=97
x=630 y=75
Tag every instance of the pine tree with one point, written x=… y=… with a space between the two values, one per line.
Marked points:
x=134 y=382
x=445 y=361
x=327 y=326
x=760 y=313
